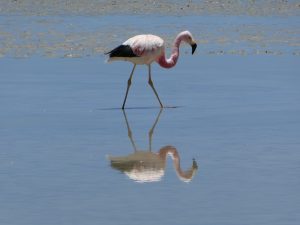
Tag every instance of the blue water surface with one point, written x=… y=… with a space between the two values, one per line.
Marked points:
x=238 y=117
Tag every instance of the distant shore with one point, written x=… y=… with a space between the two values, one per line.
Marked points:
x=148 y=7
x=72 y=29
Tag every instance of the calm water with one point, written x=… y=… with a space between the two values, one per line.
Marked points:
x=224 y=151
x=238 y=117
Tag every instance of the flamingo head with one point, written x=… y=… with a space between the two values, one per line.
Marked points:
x=187 y=37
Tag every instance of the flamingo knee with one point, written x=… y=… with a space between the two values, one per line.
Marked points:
x=150 y=82
x=129 y=81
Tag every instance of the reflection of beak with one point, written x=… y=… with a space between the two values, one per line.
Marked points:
x=194 y=46
x=195 y=166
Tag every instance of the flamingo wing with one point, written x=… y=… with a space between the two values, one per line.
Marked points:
x=143 y=45
x=140 y=49
x=121 y=51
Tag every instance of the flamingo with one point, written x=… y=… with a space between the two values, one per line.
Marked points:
x=144 y=50
x=148 y=166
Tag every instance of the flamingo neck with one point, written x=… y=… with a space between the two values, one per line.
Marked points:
x=170 y=62
x=183 y=175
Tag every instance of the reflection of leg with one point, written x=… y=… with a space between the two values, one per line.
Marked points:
x=152 y=86
x=129 y=131
x=128 y=85
x=152 y=129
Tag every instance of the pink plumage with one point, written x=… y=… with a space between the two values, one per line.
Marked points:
x=147 y=48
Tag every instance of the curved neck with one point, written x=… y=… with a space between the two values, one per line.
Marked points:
x=170 y=62
x=183 y=175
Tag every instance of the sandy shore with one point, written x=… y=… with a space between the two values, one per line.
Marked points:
x=80 y=29
x=187 y=7
x=82 y=36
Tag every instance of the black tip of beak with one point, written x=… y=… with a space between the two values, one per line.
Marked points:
x=194 y=46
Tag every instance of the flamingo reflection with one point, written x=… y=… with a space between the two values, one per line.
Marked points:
x=148 y=166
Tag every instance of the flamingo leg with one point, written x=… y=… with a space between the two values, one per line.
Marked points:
x=150 y=82
x=150 y=133
x=128 y=85
x=129 y=131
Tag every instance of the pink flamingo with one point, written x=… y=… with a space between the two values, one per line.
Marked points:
x=147 y=48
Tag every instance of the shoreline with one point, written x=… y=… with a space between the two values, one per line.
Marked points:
x=85 y=36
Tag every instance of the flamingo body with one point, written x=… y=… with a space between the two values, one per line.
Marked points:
x=147 y=166
x=147 y=48
x=140 y=49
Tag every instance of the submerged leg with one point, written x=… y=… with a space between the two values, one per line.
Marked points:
x=152 y=86
x=128 y=85
x=150 y=133
x=129 y=131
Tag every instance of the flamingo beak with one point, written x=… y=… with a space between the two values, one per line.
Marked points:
x=194 y=46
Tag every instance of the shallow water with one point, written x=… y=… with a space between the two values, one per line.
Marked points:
x=238 y=117
x=70 y=155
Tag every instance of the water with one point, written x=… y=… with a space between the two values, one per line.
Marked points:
x=225 y=150
x=238 y=117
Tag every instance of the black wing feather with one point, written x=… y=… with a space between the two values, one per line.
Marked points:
x=122 y=51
